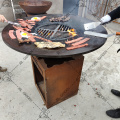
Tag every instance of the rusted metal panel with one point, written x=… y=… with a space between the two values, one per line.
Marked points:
x=61 y=79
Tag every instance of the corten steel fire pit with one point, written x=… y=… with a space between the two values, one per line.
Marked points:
x=35 y=6
x=57 y=72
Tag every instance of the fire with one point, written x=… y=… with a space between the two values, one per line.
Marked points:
x=48 y=33
x=72 y=32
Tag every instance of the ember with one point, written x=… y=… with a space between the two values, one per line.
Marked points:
x=72 y=32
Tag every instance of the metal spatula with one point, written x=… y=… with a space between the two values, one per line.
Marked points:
x=100 y=34
x=91 y=25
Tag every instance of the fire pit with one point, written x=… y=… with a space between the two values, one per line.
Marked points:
x=35 y=7
x=57 y=71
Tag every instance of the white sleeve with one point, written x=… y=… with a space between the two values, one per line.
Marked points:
x=105 y=19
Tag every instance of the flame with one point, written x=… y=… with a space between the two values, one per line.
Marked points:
x=48 y=33
x=72 y=32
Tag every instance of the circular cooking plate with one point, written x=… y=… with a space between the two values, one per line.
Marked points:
x=75 y=22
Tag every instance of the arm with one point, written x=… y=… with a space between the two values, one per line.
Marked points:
x=111 y=16
x=115 y=14
x=2 y=18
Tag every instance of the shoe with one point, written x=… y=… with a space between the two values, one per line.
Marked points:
x=3 y=69
x=113 y=113
x=116 y=92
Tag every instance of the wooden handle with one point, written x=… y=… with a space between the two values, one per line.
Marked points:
x=117 y=33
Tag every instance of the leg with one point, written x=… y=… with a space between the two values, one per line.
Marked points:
x=3 y=69
x=116 y=92
x=114 y=113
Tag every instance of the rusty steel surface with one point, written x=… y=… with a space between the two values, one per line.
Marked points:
x=75 y=22
x=35 y=7
x=57 y=79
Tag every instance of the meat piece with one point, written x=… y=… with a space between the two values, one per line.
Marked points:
x=18 y=28
x=24 y=24
x=26 y=29
x=32 y=24
x=49 y=45
x=76 y=47
x=75 y=40
x=32 y=39
x=60 y=19
x=81 y=42
x=23 y=41
x=43 y=17
x=20 y=19
x=11 y=34
x=18 y=34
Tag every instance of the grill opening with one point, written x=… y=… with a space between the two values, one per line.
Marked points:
x=54 y=31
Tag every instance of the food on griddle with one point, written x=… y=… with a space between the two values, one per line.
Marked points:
x=38 y=18
x=49 y=44
x=35 y=18
x=81 y=42
x=76 y=47
x=22 y=32
x=24 y=24
x=32 y=39
x=24 y=41
x=60 y=19
x=18 y=34
x=75 y=40
x=11 y=34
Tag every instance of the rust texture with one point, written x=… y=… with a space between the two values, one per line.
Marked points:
x=57 y=79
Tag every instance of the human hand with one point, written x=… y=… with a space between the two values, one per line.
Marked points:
x=105 y=19
x=2 y=19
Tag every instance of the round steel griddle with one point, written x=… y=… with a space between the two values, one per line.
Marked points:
x=75 y=22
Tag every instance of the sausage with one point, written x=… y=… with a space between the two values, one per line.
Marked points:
x=75 y=40
x=18 y=34
x=18 y=28
x=32 y=39
x=11 y=34
x=81 y=42
x=76 y=47
x=43 y=17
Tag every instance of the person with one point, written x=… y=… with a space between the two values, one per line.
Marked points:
x=115 y=113
x=2 y=19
